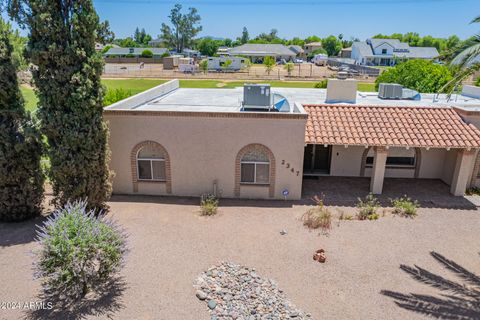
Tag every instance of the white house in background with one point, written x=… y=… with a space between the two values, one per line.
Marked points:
x=256 y=52
x=386 y=52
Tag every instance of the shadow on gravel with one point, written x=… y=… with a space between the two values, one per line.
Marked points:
x=456 y=300
x=103 y=304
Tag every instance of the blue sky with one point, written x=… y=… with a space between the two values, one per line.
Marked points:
x=358 y=18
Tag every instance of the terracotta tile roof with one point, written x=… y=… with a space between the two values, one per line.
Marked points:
x=389 y=126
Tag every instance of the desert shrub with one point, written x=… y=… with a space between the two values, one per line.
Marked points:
x=147 y=54
x=344 y=216
x=318 y=217
x=81 y=252
x=405 y=206
x=473 y=191
x=477 y=82
x=166 y=54
x=322 y=84
x=208 y=205
x=368 y=208
x=115 y=95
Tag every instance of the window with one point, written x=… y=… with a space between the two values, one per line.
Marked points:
x=384 y=51
x=255 y=168
x=151 y=164
x=396 y=161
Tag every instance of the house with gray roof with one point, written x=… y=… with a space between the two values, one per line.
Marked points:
x=256 y=51
x=386 y=52
x=135 y=52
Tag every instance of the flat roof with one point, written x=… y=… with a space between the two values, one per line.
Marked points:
x=169 y=97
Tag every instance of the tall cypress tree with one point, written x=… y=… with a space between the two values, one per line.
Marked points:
x=66 y=73
x=21 y=178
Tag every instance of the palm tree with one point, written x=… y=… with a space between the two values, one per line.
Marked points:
x=467 y=60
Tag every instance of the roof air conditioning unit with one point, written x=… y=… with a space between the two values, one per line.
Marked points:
x=257 y=96
x=390 y=91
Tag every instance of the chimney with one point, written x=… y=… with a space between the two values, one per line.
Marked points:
x=339 y=91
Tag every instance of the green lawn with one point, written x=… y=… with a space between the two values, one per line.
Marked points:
x=139 y=85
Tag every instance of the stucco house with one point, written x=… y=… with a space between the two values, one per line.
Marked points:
x=256 y=52
x=260 y=142
x=311 y=47
x=386 y=52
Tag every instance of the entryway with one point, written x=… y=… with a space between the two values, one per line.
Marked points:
x=317 y=160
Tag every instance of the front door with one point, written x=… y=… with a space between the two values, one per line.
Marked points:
x=317 y=159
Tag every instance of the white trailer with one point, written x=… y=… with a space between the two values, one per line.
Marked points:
x=218 y=63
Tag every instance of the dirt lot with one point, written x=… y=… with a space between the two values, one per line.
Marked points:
x=304 y=71
x=171 y=245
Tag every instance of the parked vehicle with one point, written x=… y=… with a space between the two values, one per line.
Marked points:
x=320 y=59
x=296 y=60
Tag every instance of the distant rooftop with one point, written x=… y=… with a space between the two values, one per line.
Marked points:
x=134 y=51
x=400 y=49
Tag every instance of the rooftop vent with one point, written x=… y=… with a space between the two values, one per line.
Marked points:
x=257 y=96
x=390 y=91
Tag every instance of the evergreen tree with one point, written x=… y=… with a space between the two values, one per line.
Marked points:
x=245 y=36
x=21 y=178
x=67 y=77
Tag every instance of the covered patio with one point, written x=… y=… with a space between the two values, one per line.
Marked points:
x=379 y=142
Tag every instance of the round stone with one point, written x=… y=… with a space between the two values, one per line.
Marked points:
x=201 y=295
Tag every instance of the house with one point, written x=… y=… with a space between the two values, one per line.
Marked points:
x=346 y=53
x=256 y=52
x=386 y=52
x=135 y=52
x=298 y=50
x=311 y=47
x=260 y=142
x=223 y=51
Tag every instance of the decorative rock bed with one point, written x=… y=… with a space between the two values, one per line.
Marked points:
x=237 y=292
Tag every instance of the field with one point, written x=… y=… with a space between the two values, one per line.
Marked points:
x=138 y=85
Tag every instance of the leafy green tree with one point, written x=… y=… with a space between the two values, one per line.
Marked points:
x=127 y=43
x=141 y=37
x=421 y=75
x=269 y=63
x=313 y=39
x=104 y=33
x=67 y=77
x=332 y=45
x=184 y=28
x=21 y=177
x=245 y=36
x=204 y=65
x=289 y=68
x=208 y=47
x=227 y=64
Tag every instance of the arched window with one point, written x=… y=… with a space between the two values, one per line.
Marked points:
x=151 y=163
x=255 y=167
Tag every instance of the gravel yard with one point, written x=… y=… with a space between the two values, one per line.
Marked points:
x=171 y=245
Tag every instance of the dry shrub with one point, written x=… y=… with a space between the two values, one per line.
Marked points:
x=318 y=217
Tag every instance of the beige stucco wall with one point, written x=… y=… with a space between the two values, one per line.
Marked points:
x=204 y=149
x=346 y=162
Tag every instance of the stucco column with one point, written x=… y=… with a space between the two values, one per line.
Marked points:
x=378 y=170
x=461 y=174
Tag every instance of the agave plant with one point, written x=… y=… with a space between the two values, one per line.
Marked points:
x=81 y=252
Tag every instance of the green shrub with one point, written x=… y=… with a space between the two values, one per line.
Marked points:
x=321 y=85
x=204 y=65
x=477 y=82
x=130 y=55
x=318 y=217
x=81 y=252
x=115 y=95
x=473 y=191
x=147 y=54
x=421 y=75
x=166 y=54
x=368 y=208
x=405 y=206
x=208 y=205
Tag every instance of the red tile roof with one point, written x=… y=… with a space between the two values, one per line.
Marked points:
x=389 y=126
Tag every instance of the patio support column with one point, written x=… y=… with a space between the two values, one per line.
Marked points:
x=378 y=170
x=461 y=174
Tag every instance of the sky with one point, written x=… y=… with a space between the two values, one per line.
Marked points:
x=353 y=18
x=301 y=18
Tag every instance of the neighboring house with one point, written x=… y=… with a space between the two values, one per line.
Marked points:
x=298 y=50
x=256 y=52
x=223 y=51
x=99 y=46
x=386 y=52
x=156 y=42
x=260 y=142
x=135 y=52
x=190 y=53
x=346 y=53
x=311 y=47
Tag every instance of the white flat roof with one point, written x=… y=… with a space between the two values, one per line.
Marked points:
x=171 y=98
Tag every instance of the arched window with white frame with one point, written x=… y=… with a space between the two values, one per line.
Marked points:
x=151 y=165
